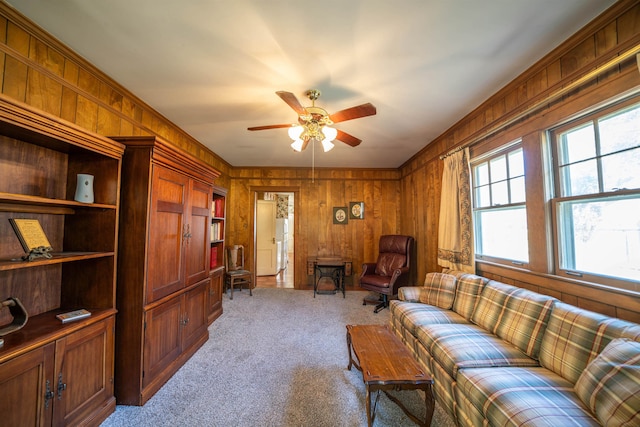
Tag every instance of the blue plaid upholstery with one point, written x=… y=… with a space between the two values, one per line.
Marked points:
x=462 y=346
x=574 y=337
x=439 y=289
x=409 y=293
x=490 y=308
x=468 y=290
x=610 y=385
x=524 y=320
x=522 y=397
x=506 y=356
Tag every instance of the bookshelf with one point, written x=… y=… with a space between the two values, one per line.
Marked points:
x=217 y=235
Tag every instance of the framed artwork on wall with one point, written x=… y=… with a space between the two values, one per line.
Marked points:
x=340 y=215
x=356 y=210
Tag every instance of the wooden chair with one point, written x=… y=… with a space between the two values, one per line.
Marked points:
x=235 y=273
x=391 y=271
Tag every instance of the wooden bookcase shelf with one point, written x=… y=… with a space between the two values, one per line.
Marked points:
x=40 y=157
x=218 y=224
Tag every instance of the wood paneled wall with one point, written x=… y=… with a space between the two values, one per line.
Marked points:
x=37 y=69
x=315 y=233
x=614 y=32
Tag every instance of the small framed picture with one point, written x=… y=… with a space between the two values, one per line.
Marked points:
x=340 y=215
x=356 y=210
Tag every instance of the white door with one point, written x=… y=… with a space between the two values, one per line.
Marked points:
x=266 y=249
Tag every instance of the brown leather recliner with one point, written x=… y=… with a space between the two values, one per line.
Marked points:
x=391 y=271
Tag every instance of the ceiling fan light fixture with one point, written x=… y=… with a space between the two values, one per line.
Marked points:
x=329 y=133
x=297 y=145
x=327 y=145
x=295 y=131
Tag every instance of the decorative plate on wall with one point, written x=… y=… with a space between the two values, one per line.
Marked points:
x=340 y=215
x=356 y=210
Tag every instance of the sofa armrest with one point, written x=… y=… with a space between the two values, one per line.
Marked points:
x=410 y=293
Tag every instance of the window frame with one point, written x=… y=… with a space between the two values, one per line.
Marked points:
x=502 y=150
x=557 y=198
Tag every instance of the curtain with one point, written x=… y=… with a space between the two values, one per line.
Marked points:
x=455 y=232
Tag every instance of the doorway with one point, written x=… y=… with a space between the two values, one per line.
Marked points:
x=274 y=238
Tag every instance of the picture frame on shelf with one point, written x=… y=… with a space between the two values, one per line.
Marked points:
x=30 y=234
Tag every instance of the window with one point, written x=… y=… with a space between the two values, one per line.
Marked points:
x=499 y=206
x=597 y=211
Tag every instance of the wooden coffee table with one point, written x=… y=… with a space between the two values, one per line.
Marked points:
x=386 y=364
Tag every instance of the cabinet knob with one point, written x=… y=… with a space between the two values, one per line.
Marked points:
x=48 y=395
x=61 y=386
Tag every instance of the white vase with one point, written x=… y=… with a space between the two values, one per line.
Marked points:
x=84 y=188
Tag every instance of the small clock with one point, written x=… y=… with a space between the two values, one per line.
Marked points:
x=340 y=215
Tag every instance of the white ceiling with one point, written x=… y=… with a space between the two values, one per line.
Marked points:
x=213 y=66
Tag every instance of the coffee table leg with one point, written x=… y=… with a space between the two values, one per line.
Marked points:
x=349 y=348
x=369 y=415
x=430 y=404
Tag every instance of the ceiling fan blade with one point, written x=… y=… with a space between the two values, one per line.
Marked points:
x=363 y=110
x=269 y=127
x=292 y=101
x=348 y=139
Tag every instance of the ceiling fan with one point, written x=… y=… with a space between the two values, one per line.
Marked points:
x=314 y=122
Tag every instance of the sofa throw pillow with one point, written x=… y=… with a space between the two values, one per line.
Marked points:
x=439 y=290
x=610 y=385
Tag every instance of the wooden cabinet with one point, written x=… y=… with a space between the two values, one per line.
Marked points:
x=68 y=382
x=164 y=264
x=218 y=216
x=40 y=158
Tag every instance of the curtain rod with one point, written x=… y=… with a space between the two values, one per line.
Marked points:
x=616 y=60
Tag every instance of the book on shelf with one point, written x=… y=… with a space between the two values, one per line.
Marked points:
x=214 y=257
x=73 y=315
x=217 y=208
x=216 y=231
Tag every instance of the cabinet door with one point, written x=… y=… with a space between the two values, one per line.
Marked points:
x=162 y=338
x=23 y=386
x=84 y=373
x=198 y=245
x=196 y=316
x=167 y=233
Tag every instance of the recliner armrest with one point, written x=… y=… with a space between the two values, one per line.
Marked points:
x=368 y=268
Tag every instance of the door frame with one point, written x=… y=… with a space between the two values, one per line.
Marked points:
x=254 y=190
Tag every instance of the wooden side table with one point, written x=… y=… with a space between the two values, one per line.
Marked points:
x=386 y=364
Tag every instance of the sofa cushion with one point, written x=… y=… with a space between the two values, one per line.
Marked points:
x=460 y=346
x=468 y=290
x=439 y=289
x=412 y=315
x=610 y=385
x=409 y=293
x=574 y=337
x=522 y=397
x=524 y=320
x=491 y=305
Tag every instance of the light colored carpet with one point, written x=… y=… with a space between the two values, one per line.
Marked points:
x=278 y=358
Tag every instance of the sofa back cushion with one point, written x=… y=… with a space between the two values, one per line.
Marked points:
x=610 y=385
x=574 y=337
x=468 y=290
x=491 y=305
x=524 y=319
x=439 y=290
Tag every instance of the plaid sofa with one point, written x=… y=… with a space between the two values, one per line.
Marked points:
x=506 y=356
